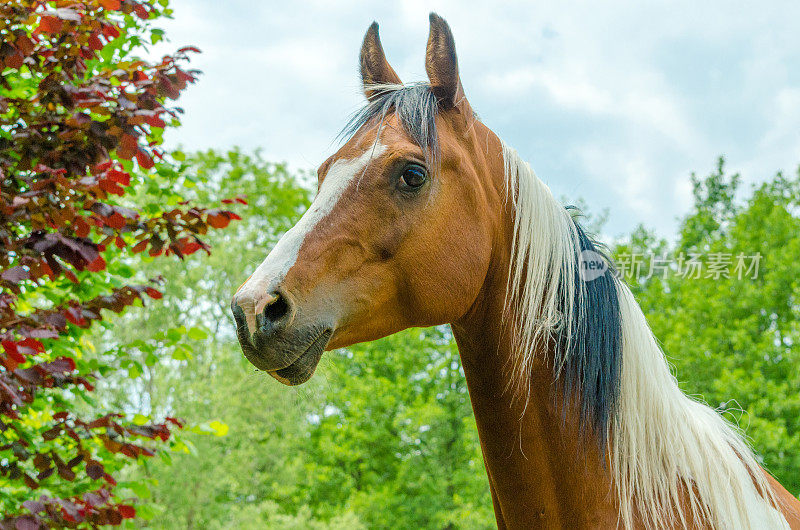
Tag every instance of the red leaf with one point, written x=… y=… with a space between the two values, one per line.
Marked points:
x=140 y=11
x=227 y=201
x=234 y=216
x=32 y=343
x=63 y=364
x=86 y=384
x=15 y=61
x=153 y=293
x=102 y=166
x=111 y=5
x=13 y=352
x=73 y=314
x=128 y=146
x=155 y=121
x=218 y=220
x=50 y=24
x=111 y=187
x=32 y=484
x=110 y=31
x=103 y=421
x=144 y=159
x=51 y=434
x=119 y=242
x=97 y=265
x=241 y=200
x=115 y=220
x=81 y=227
x=120 y=177
x=184 y=77
x=127 y=512
x=24 y=45
x=94 y=42
x=66 y=473
x=9 y=346
x=174 y=421
x=140 y=246
x=13 y=361
x=190 y=248
x=188 y=49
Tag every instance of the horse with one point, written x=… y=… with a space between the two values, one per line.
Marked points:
x=426 y=217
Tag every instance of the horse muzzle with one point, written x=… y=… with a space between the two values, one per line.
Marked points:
x=275 y=336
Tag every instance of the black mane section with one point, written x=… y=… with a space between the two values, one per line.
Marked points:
x=592 y=368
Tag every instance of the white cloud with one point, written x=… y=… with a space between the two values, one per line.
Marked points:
x=615 y=101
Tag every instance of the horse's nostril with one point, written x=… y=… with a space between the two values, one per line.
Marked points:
x=277 y=310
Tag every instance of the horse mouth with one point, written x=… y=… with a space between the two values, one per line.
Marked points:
x=304 y=366
x=275 y=350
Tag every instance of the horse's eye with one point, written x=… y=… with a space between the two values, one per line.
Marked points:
x=413 y=177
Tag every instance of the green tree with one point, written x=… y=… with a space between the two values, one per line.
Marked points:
x=77 y=107
x=395 y=439
x=734 y=340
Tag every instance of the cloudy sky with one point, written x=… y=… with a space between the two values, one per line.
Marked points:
x=615 y=102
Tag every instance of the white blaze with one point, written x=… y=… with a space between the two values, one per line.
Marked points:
x=253 y=296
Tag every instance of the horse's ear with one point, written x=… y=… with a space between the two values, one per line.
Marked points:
x=375 y=70
x=441 y=63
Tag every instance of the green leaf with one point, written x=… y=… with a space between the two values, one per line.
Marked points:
x=175 y=334
x=197 y=333
x=219 y=428
x=138 y=487
x=182 y=353
x=156 y=36
x=146 y=512
x=134 y=370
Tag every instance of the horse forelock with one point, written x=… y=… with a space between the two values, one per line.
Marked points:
x=413 y=105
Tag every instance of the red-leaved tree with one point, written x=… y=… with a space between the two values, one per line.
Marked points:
x=77 y=108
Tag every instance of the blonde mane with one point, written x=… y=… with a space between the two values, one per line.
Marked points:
x=672 y=459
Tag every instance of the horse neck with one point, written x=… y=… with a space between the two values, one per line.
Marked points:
x=543 y=469
x=542 y=473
